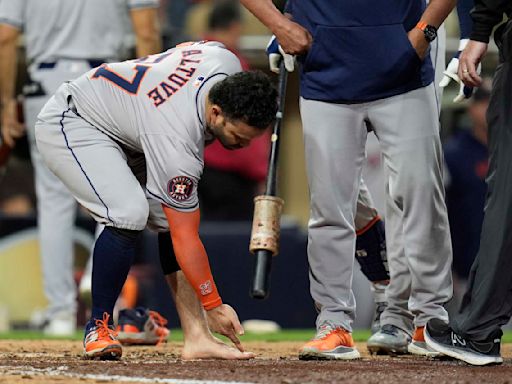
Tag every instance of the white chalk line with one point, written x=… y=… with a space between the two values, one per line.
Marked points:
x=63 y=371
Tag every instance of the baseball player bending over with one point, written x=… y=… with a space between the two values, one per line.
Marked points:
x=127 y=139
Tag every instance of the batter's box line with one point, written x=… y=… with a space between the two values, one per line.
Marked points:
x=61 y=371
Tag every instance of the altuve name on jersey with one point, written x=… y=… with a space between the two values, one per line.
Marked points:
x=176 y=80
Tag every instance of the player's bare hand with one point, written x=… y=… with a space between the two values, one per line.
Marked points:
x=12 y=129
x=418 y=41
x=469 y=60
x=224 y=320
x=293 y=38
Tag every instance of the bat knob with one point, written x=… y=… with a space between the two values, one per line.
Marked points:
x=259 y=294
x=261 y=282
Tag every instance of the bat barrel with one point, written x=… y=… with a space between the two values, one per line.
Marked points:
x=265 y=232
x=261 y=274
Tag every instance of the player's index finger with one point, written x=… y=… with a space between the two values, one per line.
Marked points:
x=232 y=336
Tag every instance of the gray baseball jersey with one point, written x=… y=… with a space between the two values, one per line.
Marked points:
x=54 y=29
x=156 y=106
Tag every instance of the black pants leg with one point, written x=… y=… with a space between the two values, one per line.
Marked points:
x=487 y=304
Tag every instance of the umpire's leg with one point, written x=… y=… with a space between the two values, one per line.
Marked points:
x=487 y=304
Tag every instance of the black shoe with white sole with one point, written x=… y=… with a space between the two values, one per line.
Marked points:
x=440 y=337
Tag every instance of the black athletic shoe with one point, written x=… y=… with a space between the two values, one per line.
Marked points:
x=440 y=337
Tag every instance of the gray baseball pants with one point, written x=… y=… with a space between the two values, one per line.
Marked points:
x=56 y=207
x=417 y=231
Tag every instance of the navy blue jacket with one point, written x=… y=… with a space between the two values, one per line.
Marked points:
x=360 y=49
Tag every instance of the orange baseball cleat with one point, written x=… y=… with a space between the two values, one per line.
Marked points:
x=141 y=326
x=101 y=341
x=330 y=343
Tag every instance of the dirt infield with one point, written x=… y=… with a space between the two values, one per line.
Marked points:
x=60 y=362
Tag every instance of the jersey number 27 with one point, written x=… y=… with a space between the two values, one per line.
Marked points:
x=130 y=86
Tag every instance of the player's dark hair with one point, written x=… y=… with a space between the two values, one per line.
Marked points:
x=224 y=14
x=247 y=96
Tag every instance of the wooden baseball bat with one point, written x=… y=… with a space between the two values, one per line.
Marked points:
x=266 y=249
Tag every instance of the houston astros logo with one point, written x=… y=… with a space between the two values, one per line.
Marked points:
x=180 y=188
x=206 y=288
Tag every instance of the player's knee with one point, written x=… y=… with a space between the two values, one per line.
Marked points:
x=137 y=214
x=426 y=172
x=371 y=252
x=421 y=178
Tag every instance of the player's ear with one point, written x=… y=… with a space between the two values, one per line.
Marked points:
x=216 y=110
x=217 y=114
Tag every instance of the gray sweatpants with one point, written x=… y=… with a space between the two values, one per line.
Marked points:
x=417 y=231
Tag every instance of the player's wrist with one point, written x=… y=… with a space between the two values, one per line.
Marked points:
x=283 y=27
x=418 y=42
x=462 y=44
x=212 y=304
x=429 y=31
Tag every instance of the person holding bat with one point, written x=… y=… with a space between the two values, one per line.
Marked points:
x=365 y=67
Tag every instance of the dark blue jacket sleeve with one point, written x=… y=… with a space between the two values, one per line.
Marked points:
x=465 y=22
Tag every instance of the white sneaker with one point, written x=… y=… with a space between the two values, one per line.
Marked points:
x=61 y=324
